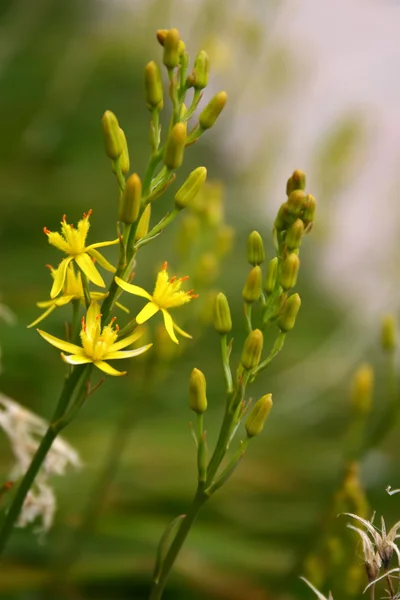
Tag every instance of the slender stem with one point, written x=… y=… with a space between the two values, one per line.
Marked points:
x=225 y=364
x=247 y=314
x=221 y=447
x=158 y=586
x=390 y=584
x=85 y=285
x=75 y=320
x=54 y=428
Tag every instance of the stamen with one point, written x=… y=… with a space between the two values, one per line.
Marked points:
x=64 y=218
x=165 y=265
x=184 y=278
x=194 y=296
x=87 y=215
x=172 y=279
x=113 y=319
x=99 y=316
x=83 y=324
x=117 y=327
x=49 y=267
x=47 y=231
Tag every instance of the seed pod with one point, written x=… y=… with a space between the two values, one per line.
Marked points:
x=388 y=333
x=252 y=288
x=255 y=249
x=212 y=111
x=201 y=70
x=294 y=235
x=129 y=204
x=143 y=225
x=287 y=318
x=111 y=135
x=222 y=314
x=197 y=392
x=153 y=86
x=192 y=186
x=258 y=415
x=172 y=48
x=175 y=146
x=290 y=270
x=270 y=278
x=252 y=349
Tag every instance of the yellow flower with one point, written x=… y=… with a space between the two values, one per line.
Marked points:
x=167 y=294
x=72 y=242
x=98 y=345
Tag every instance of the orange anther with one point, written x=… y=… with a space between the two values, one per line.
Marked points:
x=165 y=265
x=184 y=278
x=64 y=218
x=47 y=231
x=113 y=319
x=99 y=316
x=172 y=279
x=117 y=327
x=49 y=267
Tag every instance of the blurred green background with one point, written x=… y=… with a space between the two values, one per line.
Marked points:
x=61 y=65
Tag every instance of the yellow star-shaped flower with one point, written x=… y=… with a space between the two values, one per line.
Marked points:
x=73 y=290
x=167 y=294
x=72 y=242
x=98 y=344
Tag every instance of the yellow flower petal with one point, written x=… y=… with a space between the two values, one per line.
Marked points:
x=103 y=366
x=169 y=326
x=127 y=353
x=102 y=244
x=43 y=316
x=127 y=341
x=57 y=240
x=181 y=332
x=147 y=312
x=85 y=263
x=60 y=344
x=61 y=301
x=59 y=277
x=132 y=289
x=92 y=321
x=101 y=260
x=75 y=359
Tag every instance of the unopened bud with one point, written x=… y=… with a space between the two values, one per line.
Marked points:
x=212 y=111
x=222 y=314
x=192 y=186
x=270 y=278
x=111 y=135
x=172 y=49
x=281 y=220
x=124 y=163
x=129 y=203
x=296 y=182
x=362 y=388
x=197 y=392
x=252 y=288
x=161 y=35
x=388 y=333
x=294 y=235
x=252 y=349
x=153 y=86
x=258 y=415
x=175 y=146
x=201 y=70
x=255 y=249
x=290 y=270
x=308 y=215
x=143 y=225
x=295 y=202
x=287 y=318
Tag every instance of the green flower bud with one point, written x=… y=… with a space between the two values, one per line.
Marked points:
x=197 y=392
x=212 y=111
x=294 y=235
x=192 y=186
x=287 y=318
x=289 y=272
x=258 y=415
x=270 y=278
x=161 y=35
x=143 y=225
x=255 y=249
x=296 y=182
x=281 y=221
x=172 y=48
x=124 y=163
x=111 y=135
x=388 y=333
x=175 y=146
x=362 y=389
x=129 y=203
x=222 y=314
x=252 y=349
x=201 y=70
x=153 y=86
x=252 y=288
x=308 y=215
x=295 y=202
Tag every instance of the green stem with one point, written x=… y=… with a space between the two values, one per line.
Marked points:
x=247 y=314
x=55 y=427
x=75 y=325
x=225 y=364
x=85 y=285
x=158 y=586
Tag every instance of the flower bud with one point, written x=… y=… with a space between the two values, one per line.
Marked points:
x=255 y=249
x=281 y=220
x=296 y=182
x=212 y=111
x=362 y=388
x=143 y=225
x=252 y=288
x=258 y=415
x=201 y=70
x=270 y=278
x=129 y=203
x=388 y=333
x=161 y=35
x=295 y=202
x=197 y=392
x=252 y=349
x=111 y=135
x=222 y=314
x=192 y=186
x=172 y=48
x=308 y=215
x=153 y=86
x=124 y=163
x=290 y=270
x=287 y=318
x=294 y=235
x=174 y=148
